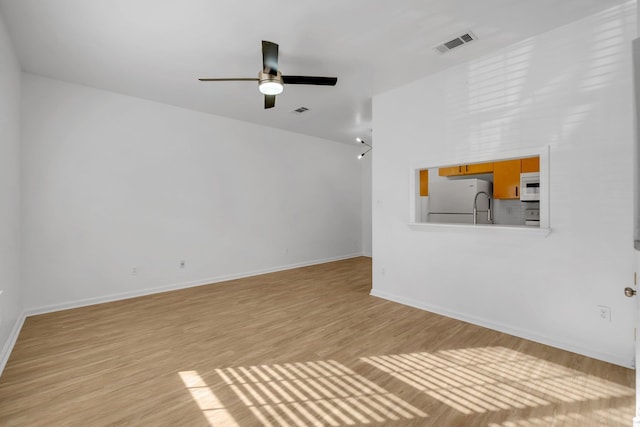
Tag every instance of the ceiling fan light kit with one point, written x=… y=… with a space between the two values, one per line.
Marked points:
x=270 y=81
x=270 y=84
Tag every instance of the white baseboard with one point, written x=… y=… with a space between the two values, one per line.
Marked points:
x=176 y=286
x=521 y=333
x=11 y=341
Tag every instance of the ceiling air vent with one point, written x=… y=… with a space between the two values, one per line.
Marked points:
x=300 y=110
x=458 y=41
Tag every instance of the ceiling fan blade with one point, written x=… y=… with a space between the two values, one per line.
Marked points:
x=309 y=80
x=238 y=79
x=269 y=101
x=270 y=57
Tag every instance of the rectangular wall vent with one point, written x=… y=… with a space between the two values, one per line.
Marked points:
x=455 y=42
x=300 y=110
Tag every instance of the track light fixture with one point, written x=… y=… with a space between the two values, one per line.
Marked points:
x=362 y=141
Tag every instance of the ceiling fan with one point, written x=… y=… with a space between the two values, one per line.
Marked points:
x=270 y=81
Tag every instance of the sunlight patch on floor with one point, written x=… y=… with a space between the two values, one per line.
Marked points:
x=314 y=393
x=209 y=404
x=478 y=380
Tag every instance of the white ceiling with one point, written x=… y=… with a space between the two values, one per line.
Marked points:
x=157 y=49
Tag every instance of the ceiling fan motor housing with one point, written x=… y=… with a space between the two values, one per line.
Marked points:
x=270 y=84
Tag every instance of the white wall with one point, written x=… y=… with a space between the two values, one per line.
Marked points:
x=570 y=89
x=366 y=204
x=11 y=306
x=113 y=182
x=636 y=79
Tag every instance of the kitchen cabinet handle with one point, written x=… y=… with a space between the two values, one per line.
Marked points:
x=516 y=191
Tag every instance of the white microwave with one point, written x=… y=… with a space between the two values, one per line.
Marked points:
x=530 y=187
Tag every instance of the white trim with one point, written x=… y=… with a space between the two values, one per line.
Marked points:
x=200 y=282
x=11 y=341
x=521 y=333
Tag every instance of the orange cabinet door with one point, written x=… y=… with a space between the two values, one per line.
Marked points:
x=470 y=169
x=506 y=179
x=450 y=171
x=424 y=182
x=531 y=164
x=478 y=168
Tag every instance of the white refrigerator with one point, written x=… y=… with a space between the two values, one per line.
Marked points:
x=451 y=201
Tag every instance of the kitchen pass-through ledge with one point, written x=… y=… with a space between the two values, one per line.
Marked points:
x=482 y=228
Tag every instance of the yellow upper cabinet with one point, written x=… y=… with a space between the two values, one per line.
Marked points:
x=530 y=164
x=506 y=176
x=479 y=168
x=424 y=182
x=449 y=171
x=470 y=169
x=506 y=179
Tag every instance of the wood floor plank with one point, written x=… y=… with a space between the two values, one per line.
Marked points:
x=301 y=347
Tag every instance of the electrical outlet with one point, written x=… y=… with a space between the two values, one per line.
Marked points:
x=134 y=271
x=604 y=313
x=183 y=264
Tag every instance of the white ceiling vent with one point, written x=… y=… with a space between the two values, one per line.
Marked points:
x=456 y=42
x=300 y=110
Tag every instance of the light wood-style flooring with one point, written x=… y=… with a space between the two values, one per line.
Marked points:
x=302 y=347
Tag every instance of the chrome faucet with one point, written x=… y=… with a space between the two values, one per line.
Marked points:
x=475 y=207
